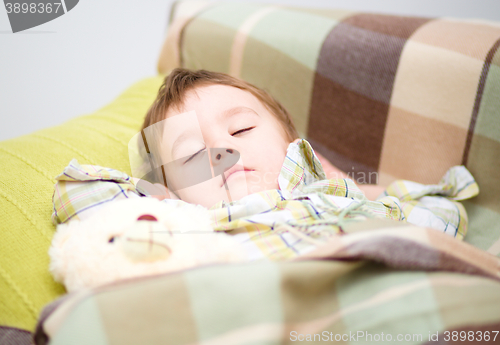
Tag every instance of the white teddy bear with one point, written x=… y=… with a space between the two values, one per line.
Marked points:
x=137 y=237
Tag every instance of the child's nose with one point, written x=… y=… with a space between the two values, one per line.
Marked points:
x=222 y=159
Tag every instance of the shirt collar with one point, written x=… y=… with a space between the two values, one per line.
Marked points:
x=300 y=168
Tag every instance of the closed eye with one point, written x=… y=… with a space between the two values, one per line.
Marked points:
x=193 y=156
x=243 y=130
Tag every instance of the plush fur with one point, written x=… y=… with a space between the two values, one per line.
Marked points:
x=119 y=242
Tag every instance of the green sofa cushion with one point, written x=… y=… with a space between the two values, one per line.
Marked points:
x=29 y=164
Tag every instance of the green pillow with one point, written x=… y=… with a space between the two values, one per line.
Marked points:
x=29 y=164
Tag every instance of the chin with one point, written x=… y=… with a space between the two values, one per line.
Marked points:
x=236 y=191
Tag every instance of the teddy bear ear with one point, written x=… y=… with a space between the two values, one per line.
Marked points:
x=56 y=251
x=62 y=233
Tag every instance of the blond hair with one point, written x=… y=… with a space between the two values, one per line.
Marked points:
x=173 y=90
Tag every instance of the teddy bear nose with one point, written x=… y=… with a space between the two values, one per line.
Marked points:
x=147 y=217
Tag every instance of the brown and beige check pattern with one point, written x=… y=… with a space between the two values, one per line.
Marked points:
x=406 y=97
x=379 y=277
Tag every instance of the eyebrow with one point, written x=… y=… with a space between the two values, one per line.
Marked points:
x=235 y=110
x=225 y=114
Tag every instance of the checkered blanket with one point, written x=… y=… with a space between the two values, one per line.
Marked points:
x=379 y=279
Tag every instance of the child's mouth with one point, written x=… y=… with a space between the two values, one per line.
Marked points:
x=234 y=172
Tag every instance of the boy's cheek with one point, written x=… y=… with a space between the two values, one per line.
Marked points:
x=253 y=183
x=253 y=179
x=164 y=193
x=271 y=177
x=260 y=182
x=156 y=190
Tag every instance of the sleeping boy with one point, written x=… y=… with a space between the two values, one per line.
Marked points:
x=201 y=113
x=263 y=184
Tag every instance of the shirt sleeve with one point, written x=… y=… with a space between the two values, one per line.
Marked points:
x=434 y=206
x=80 y=190
x=437 y=206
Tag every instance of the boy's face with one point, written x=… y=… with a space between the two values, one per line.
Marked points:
x=227 y=118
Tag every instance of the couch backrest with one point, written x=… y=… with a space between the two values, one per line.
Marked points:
x=407 y=97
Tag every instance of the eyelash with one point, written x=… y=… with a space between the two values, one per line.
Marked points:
x=235 y=133
x=243 y=130
x=194 y=155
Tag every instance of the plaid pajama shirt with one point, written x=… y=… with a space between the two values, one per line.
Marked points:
x=283 y=223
